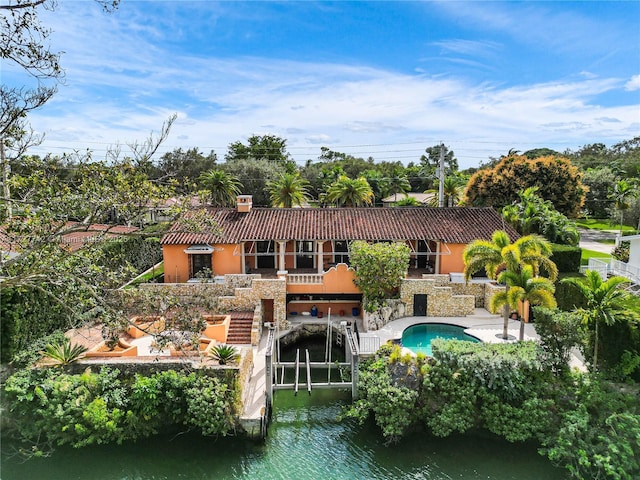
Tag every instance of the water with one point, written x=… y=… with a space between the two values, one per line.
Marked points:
x=305 y=442
x=418 y=337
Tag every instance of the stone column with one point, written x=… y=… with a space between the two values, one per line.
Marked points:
x=437 y=258
x=242 y=259
x=282 y=248
x=320 y=255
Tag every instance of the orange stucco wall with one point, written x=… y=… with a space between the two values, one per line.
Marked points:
x=224 y=260
x=453 y=262
x=337 y=279
x=176 y=262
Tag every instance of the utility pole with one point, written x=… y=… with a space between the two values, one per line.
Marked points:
x=441 y=177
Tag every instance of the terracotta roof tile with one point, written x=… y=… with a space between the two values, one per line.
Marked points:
x=451 y=225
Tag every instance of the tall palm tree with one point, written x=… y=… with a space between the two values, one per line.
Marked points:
x=288 y=190
x=623 y=193
x=604 y=303
x=223 y=187
x=524 y=290
x=350 y=193
x=500 y=254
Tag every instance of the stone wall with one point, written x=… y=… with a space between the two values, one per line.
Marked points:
x=441 y=301
x=393 y=310
x=471 y=288
x=239 y=293
x=490 y=290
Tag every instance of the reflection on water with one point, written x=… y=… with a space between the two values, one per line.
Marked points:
x=305 y=442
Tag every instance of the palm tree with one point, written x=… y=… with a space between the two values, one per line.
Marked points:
x=500 y=254
x=399 y=183
x=623 y=193
x=452 y=189
x=288 y=190
x=350 y=193
x=223 y=187
x=604 y=303
x=524 y=290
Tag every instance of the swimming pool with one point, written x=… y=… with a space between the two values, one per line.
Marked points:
x=418 y=337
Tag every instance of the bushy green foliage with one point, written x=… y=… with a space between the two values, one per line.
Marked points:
x=566 y=258
x=582 y=423
x=28 y=314
x=621 y=252
x=380 y=268
x=392 y=404
x=559 y=333
x=138 y=252
x=51 y=407
x=599 y=432
x=532 y=214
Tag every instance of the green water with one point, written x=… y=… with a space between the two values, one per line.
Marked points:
x=305 y=442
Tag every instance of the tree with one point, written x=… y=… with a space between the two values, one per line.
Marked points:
x=524 y=290
x=500 y=254
x=557 y=179
x=222 y=187
x=254 y=176
x=379 y=270
x=622 y=194
x=532 y=214
x=605 y=304
x=289 y=190
x=431 y=161
x=349 y=192
x=184 y=168
x=600 y=182
x=259 y=147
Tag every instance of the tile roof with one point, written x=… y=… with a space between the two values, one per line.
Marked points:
x=450 y=225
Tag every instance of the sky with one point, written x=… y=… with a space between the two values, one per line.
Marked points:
x=379 y=79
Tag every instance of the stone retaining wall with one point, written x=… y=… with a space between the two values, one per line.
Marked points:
x=490 y=290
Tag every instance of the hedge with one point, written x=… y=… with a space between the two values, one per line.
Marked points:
x=566 y=258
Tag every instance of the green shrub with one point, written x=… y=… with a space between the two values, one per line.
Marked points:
x=51 y=407
x=568 y=297
x=566 y=258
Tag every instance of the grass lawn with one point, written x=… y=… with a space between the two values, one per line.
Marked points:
x=607 y=241
x=148 y=276
x=602 y=224
x=587 y=254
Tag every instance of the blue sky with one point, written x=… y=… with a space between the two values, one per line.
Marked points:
x=380 y=79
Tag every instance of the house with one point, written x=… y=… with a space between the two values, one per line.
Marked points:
x=421 y=198
x=307 y=249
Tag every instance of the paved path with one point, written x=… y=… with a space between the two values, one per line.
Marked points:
x=589 y=239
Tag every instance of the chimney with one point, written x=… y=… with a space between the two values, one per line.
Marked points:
x=244 y=203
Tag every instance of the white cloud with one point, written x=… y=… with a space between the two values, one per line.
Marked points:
x=633 y=84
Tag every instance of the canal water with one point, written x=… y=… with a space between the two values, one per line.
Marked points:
x=305 y=441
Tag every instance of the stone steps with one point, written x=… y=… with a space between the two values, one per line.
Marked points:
x=240 y=328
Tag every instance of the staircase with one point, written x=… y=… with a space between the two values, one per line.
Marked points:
x=240 y=328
